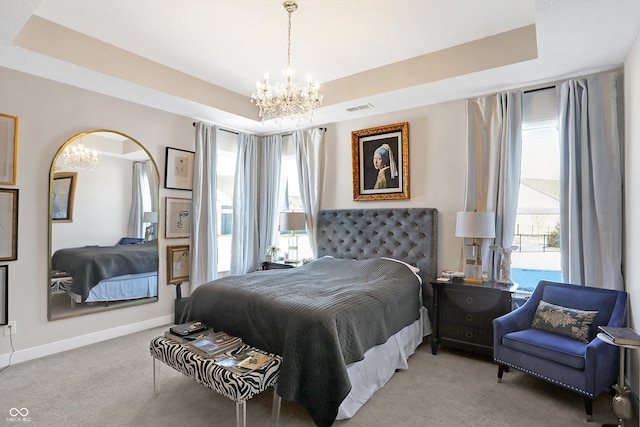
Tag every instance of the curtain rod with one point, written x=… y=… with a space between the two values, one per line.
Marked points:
x=324 y=129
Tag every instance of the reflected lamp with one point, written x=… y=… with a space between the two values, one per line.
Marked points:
x=150 y=218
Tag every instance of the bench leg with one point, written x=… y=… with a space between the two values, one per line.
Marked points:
x=275 y=409
x=155 y=369
x=241 y=414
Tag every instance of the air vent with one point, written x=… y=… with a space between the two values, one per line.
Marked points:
x=360 y=107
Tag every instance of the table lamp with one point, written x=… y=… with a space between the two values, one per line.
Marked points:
x=292 y=221
x=476 y=225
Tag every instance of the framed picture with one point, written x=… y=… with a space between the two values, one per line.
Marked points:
x=63 y=194
x=178 y=170
x=8 y=224
x=4 y=294
x=380 y=162
x=8 y=148
x=177 y=264
x=177 y=218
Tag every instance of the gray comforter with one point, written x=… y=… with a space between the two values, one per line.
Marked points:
x=319 y=317
x=91 y=264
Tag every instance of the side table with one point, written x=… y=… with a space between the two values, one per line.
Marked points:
x=621 y=403
x=273 y=265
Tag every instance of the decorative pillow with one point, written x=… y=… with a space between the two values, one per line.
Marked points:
x=566 y=321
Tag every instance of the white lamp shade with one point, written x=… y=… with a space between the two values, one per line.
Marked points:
x=481 y=225
x=292 y=221
x=151 y=217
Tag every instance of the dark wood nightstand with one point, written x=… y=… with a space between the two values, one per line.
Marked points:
x=273 y=265
x=463 y=313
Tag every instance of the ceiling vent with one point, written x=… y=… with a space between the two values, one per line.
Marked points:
x=360 y=107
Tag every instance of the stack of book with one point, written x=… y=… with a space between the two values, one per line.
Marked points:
x=621 y=335
x=188 y=332
x=215 y=344
x=244 y=361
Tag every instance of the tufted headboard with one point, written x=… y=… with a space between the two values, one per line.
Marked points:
x=407 y=234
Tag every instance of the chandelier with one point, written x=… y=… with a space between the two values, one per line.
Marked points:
x=288 y=99
x=80 y=157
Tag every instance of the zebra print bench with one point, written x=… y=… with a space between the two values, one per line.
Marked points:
x=238 y=388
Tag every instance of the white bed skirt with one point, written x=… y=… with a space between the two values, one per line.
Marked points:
x=380 y=363
x=130 y=286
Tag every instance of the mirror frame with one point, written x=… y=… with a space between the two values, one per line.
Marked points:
x=107 y=307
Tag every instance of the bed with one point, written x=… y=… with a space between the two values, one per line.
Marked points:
x=110 y=273
x=344 y=322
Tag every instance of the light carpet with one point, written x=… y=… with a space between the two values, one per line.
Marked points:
x=111 y=384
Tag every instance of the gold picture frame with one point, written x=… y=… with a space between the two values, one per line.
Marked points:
x=389 y=178
x=8 y=224
x=63 y=195
x=8 y=146
x=177 y=218
x=177 y=264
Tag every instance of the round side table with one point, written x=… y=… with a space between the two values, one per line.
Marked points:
x=621 y=403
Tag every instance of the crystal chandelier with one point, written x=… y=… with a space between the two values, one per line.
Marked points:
x=80 y=157
x=288 y=99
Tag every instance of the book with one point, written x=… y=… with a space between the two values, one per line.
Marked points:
x=214 y=345
x=621 y=335
x=185 y=339
x=243 y=362
x=188 y=328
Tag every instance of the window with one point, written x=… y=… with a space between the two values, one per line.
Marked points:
x=537 y=230
x=225 y=176
x=290 y=200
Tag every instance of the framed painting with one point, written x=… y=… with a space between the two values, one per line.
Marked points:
x=178 y=171
x=380 y=162
x=8 y=224
x=4 y=294
x=177 y=218
x=8 y=148
x=63 y=194
x=177 y=264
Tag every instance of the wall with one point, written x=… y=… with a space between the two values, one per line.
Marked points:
x=437 y=158
x=49 y=114
x=632 y=202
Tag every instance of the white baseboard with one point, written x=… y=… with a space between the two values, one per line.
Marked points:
x=82 y=340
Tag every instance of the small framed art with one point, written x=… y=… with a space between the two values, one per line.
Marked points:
x=8 y=224
x=380 y=162
x=63 y=195
x=177 y=264
x=8 y=148
x=4 y=294
x=178 y=171
x=177 y=218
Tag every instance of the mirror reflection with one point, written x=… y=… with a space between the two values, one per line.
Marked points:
x=103 y=214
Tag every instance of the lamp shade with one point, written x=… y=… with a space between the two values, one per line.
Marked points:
x=292 y=221
x=481 y=225
x=151 y=217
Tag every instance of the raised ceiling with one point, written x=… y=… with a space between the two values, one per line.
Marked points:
x=202 y=58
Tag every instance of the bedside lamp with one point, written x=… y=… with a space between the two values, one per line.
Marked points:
x=150 y=218
x=292 y=221
x=476 y=225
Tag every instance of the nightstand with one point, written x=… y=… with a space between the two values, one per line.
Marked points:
x=463 y=313
x=273 y=265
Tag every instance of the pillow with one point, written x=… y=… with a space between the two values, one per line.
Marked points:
x=414 y=270
x=561 y=320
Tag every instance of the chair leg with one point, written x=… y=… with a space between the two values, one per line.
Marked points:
x=588 y=407
x=500 y=372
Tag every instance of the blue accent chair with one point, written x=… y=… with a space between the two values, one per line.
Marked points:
x=585 y=368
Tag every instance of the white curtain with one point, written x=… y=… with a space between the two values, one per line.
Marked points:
x=204 y=242
x=244 y=241
x=268 y=193
x=144 y=183
x=310 y=159
x=592 y=180
x=493 y=166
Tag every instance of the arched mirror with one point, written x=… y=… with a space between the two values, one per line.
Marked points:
x=103 y=215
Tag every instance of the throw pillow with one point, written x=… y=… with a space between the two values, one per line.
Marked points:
x=561 y=320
